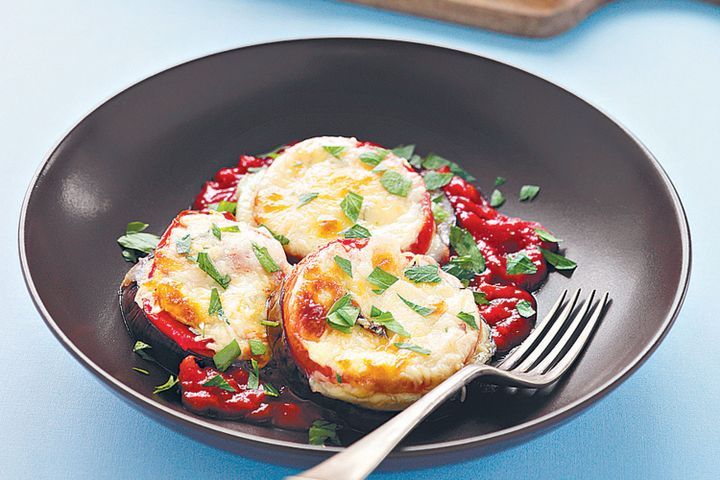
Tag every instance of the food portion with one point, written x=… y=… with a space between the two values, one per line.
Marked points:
x=208 y=283
x=373 y=326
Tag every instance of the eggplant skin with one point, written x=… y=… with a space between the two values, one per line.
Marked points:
x=164 y=351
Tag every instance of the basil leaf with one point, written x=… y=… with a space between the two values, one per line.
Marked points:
x=139 y=345
x=224 y=206
x=404 y=151
x=435 y=180
x=140 y=241
x=272 y=153
x=257 y=347
x=439 y=198
x=343 y=314
x=338 y=378
x=396 y=183
x=207 y=266
x=558 y=261
x=334 y=150
x=499 y=181
x=496 y=198
x=270 y=390
x=356 y=231
x=216 y=231
x=433 y=162
x=416 y=161
x=480 y=298
x=254 y=375
x=525 y=308
x=468 y=318
x=135 y=227
x=464 y=244
x=215 y=307
x=269 y=323
x=227 y=355
x=183 y=245
x=255 y=169
x=547 y=236
x=231 y=229
x=528 y=192
x=424 y=274
x=306 y=198
x=419 y=309
x=381 y=279
x=130 y=255
x=519 y=263
x=461 y=267
x=351 y=205
x=219 y=382
x=141 y=370
x=439 y=213
x=267 y=262
x=387 y=320
x=171 y=382
x=322 y=431
x=374 y=158
x=280 y=238
x=344 y=265
x=414 y=348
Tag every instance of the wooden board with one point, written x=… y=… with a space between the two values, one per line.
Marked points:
x=532 y=18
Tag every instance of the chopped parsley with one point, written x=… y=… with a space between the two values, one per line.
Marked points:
x=322 y=431
x=461 y=267
x=499 y=181
x=381 y=279
x=496 y=198
x=528 y=192
x=439 y=213
x=334 y=150
x=412 y=347
x=423 y=274
x=219 y=382
x=351 y=205
x=356 y=231
x=464 y=244
x=343 y=314
x=306 y=198
x=525 y=308
x=468 y=318
x=387 y=320
x=419 y=309
x=280 y=238
x=254 y=375
x=435 y=180
x=171 y=382
x=519 y=263
x=547 y=236
x=395 y=183
x=227 y=355
x=344 y=265
x=257 y=347
x=267 y=262
x=558 y=261
x=207 y=266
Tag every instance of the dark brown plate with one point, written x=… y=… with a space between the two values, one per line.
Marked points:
x=144 y=154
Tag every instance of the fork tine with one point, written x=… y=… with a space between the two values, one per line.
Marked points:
x=558 y=370
x=511 y=360
x=547 y=340
x=564 y=341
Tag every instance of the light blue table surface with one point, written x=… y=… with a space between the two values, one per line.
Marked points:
x=655 y=66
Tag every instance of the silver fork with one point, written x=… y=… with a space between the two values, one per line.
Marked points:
x=532 y=365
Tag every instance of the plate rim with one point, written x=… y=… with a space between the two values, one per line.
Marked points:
x=500 y=437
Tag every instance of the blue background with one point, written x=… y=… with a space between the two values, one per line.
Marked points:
x=654 y=66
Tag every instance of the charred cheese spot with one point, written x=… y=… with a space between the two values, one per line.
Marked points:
x=176 y=284
x=375 y=372
x=309 y=167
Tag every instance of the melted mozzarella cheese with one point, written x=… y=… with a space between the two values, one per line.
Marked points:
x=375 y=373
x=328 y=168
x=175 y=283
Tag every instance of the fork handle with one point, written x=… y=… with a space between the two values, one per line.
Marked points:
x=362 y=457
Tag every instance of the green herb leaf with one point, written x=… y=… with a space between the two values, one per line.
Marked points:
x=381 y=279
x=351 y=205
x=344 y=265
x=131 y=255
x=396 y=183
x=558 y=261
x=433 y=162
x=525 y=308
x=468 y=318
x=499 y=181
x=254 y=375
x=416 y=161
x=183 y=245
x=224 y=206
x=322 y=431
x=171 y=382
x=528 y=192
x=374 y=157
x=135 y=227
x=439 y=198
x=496 y=198
x=272 y=153
x=140 y=346
x=270 y=390
x=225 y=357
x=404 y=151
x=480 y=298
x=267 y=262
x=141 y=370
x=419 y=309
x=435 y=180
x=338 y=377
x=387 y=320
x=464 y=244
x=306 y=198
x=216 y=231
x=547 y=236
x=207 y=266
x=280 y=238
x=356 y=231
x=519 y=263
x=255 y=169
x=411 y=347
x=439 y=213
x=269 y=323
x=215 y=307
x=219 y=382
x=462 y=267
x=423 y=274
x=334 y=150
x=140 y=241
x=257 y=347
x=231 y=229
x=343 y=314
